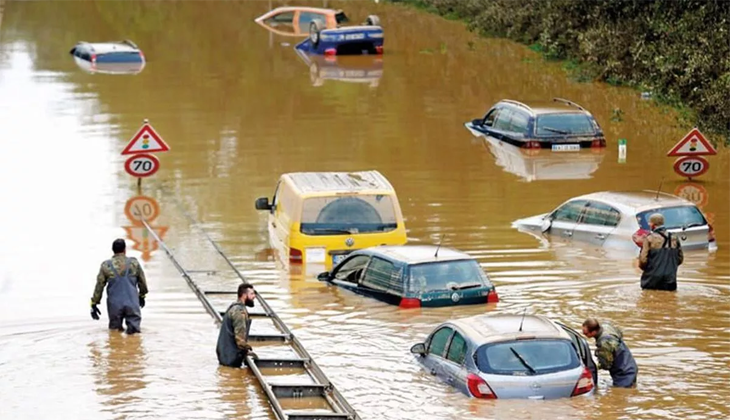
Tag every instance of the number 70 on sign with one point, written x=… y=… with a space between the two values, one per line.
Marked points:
x=142 y=165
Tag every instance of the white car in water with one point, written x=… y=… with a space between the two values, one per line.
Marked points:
x=616 y=219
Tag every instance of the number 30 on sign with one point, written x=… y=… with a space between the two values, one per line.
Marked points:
x=142 y=165
x=691 y=166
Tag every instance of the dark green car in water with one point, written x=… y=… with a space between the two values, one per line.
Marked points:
x=413 y=276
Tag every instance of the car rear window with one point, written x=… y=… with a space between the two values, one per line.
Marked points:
x=564 y=124
x=674 y=217
x=119 y=57
x=544 y=356
x=343 y=215
x=446 y=275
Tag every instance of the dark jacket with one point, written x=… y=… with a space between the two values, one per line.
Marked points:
x=661 y=254
x=614 y=355
x=232 y=339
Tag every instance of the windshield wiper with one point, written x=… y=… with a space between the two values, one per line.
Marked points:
x=465 y=286
x=691 y=225
x=332 y=230
x=555 y=130
x=523 y=361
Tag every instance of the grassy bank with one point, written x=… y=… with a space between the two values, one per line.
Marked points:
x=677 y=49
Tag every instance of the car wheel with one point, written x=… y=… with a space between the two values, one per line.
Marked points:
x=315 y=27
x=372 y=20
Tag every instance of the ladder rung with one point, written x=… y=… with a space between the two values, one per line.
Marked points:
x=263 y=362
x=269 y=337
x=297 y=390
x=303 y=415
x=220 y=292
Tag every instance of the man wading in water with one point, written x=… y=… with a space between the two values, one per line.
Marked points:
x=661 y=254
x=233 y=346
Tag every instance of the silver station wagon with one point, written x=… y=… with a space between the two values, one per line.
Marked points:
x=615 y=219
x=509 y=356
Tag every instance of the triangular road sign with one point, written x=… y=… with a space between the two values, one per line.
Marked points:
x=693 y=144
x=145 y=141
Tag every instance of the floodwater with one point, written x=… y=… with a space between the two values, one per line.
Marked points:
x=239 y=107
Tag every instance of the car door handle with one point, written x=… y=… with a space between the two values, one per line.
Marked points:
x=433 y=371
x=450 y=379
x=567 y=233
x=600 y=236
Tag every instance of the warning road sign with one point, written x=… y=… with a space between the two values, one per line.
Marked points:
x=691 y=166
x=145 y=141
x=141 y=207
x=693 y=144
x=144 y=242
x=142 y=165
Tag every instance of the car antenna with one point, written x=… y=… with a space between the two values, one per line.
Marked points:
x=436 y=254
x=659 y=189
x=523 y=318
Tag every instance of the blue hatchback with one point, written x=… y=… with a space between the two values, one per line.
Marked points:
x=350 y=40
x=412 y=276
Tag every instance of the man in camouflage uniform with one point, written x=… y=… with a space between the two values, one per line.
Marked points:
x=661 y=254
x=122 y=277
x=612 y=353
x=233 y=346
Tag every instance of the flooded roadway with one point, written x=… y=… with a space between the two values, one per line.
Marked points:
x=239 y=107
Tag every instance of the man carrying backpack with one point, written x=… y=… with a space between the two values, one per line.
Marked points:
x=122 y=277
x=661 y=254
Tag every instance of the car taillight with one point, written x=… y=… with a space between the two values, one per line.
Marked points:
x=532 y=144
x=409 y=303
x=93 y=58
x=295 y=255
x=638 y=237
x=710 y=233
x=479 y=388
x=330 y=51
x=492 y=296
x=141 y=55
x=584 y=384
x=598 y=143
x=379 y=49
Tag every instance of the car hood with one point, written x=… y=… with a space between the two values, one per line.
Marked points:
x=529 y=222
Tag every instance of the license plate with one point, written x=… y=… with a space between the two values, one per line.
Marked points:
x=566 y=147
x=354 y=36
x=337 y=258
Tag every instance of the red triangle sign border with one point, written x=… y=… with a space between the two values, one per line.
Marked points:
x=695 y=132
x=146 y=128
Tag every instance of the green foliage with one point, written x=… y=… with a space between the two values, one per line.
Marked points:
x=679 y=49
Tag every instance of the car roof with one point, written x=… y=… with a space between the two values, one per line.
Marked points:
x=339 y=182
x=416 y=254
x=636 y=201
x=492 y=328
x=107 y=47
x=557 y=106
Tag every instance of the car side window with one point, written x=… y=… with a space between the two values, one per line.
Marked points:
x=503 y=119
x=491 y=116
x=286 y=17
x=305 y=18
x=570 y=211
x=601 y=214
x=518 y=123
x=437 y=344
x=381 y=275
x=351 y=269
x=457 y=349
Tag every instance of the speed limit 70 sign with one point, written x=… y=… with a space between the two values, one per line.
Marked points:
x=142 y=165
x=691 y=166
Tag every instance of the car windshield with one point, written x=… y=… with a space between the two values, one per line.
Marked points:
x=527 y=357
x=119 y=57
x=564 y=124
x=348 y=215
x=446 y=275
x=674 y=217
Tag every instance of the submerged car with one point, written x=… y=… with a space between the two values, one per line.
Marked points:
x=295 y=21
x=616 y=219
x=562 y=127
x=509 y=356
x=123 y=57
x=414 y=276
x=350 y=40
x=351 y=69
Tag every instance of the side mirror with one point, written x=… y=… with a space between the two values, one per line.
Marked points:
x=547 y=223
x=477 y=122
x=263 y=204
x=419 y=349
x=323 y=276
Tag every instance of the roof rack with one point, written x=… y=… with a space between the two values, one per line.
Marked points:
x=567 y=102
x=513 y=102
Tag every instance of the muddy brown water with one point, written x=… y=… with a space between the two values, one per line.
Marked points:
x=239 y=107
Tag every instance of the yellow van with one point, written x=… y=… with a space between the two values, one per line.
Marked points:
x=320 y=217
